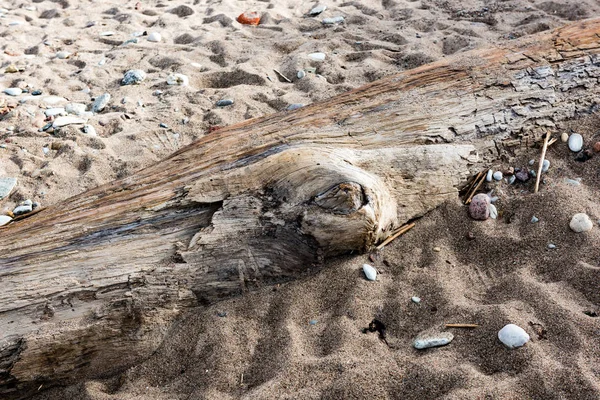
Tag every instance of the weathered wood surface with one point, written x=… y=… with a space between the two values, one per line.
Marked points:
x=90 y=285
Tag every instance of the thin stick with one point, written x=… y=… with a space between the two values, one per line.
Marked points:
x=552 y=141
x=475 y=189
x=473 y=182
x=399 y=232
x=283 y=76
x=541 y=163
x=462 y=325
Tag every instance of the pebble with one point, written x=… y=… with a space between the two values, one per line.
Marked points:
x=564 y=137
x=480 y=207
x=575 y=142
x=4 y=219
x=6 y=186
x=534 y=219
x=64 y=121
x=133 y=76
x=551 y=246
x=581 y=223
x=317 y=56
x=154 y=37
x=53 y=112
x=101 y=102
x=531 y=162
x=13 y=91
x=425 y=341
x=596 y=147
x=294 y=106
x=53 y=100
x=300 y=74
x=498 y=175
x=317 y=10
x=574 y=182
x=45 y=150
x=107 y=33
x=511 y=179
x=416 y=299
x=24 y=208
x=63 y=55
x=224 y=102
x=333 y=20
x=36 y=92
x=221 y=314
x=370 y=272
x=545 y=166
x=493 y=212
x=313 y=322
x=522 y=175
x=489 y=176
x=178 y=79
x=437 y=249
x=163 y=125
x=513 y=336
x=102 y=62
x=89 y=129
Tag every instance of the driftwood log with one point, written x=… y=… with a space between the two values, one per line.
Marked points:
x=90 y=285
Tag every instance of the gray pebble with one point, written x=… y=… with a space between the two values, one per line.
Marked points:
x=545 y=166
x=317 y=10
x=534 y=219
x=224 y=102
x=551 y=246
x=498 y=175
x=313 y=322
x=24 y=209
x=294 y=106
x=133 y=77
x=425 y=341
x=334 y=20
x=13 y=91
x=163 y=125
x=490 y=175
x=511 y=179
x=300 y=74
x=101 y=102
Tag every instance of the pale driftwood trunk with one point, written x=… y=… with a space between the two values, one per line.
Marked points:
x=90 y=285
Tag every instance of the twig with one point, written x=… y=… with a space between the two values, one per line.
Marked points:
x=541 y=163
x=462 y=325
x=242 y=379
x=283 y=76
x=483 y=174
x=552 y=141
x=399 y=232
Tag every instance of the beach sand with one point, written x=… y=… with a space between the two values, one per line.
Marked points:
x=265 y=347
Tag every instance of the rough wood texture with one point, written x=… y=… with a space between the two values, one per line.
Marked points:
x=89 y=286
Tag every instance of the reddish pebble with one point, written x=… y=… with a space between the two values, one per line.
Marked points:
x=597 y=147
x=249 y=18
x=480 y=207
x=214 y=128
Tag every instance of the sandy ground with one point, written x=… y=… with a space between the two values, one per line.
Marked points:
x=265 y=347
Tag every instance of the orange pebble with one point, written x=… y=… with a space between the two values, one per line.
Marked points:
x=597 y=147
x=249 y=18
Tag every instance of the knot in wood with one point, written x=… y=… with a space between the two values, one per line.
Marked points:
x=344 y=198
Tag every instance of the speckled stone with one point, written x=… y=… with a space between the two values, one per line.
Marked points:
x=480 y=207
x=133 y=77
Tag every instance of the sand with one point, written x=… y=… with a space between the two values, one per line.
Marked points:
x=265 y=347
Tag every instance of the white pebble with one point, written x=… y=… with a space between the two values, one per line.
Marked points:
x=89 y=129
x=154 y=37
x=107 y=33
x=425 y=341
x=4 y=219
x=490 y=175
x=564 y=137
x=513 y=336
x=317 y=56
x=416 y=299
x=14 y=91
x=334 y=20
x=498 y=175
x=370 y=272
x=178 y=79
x=64 y=121
x=551 y=246
x=75 y=108
x=493 y=211
x=575 y=142
x=53 y=112
x=317 y=10
x=63 y=54
x=581 y=223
